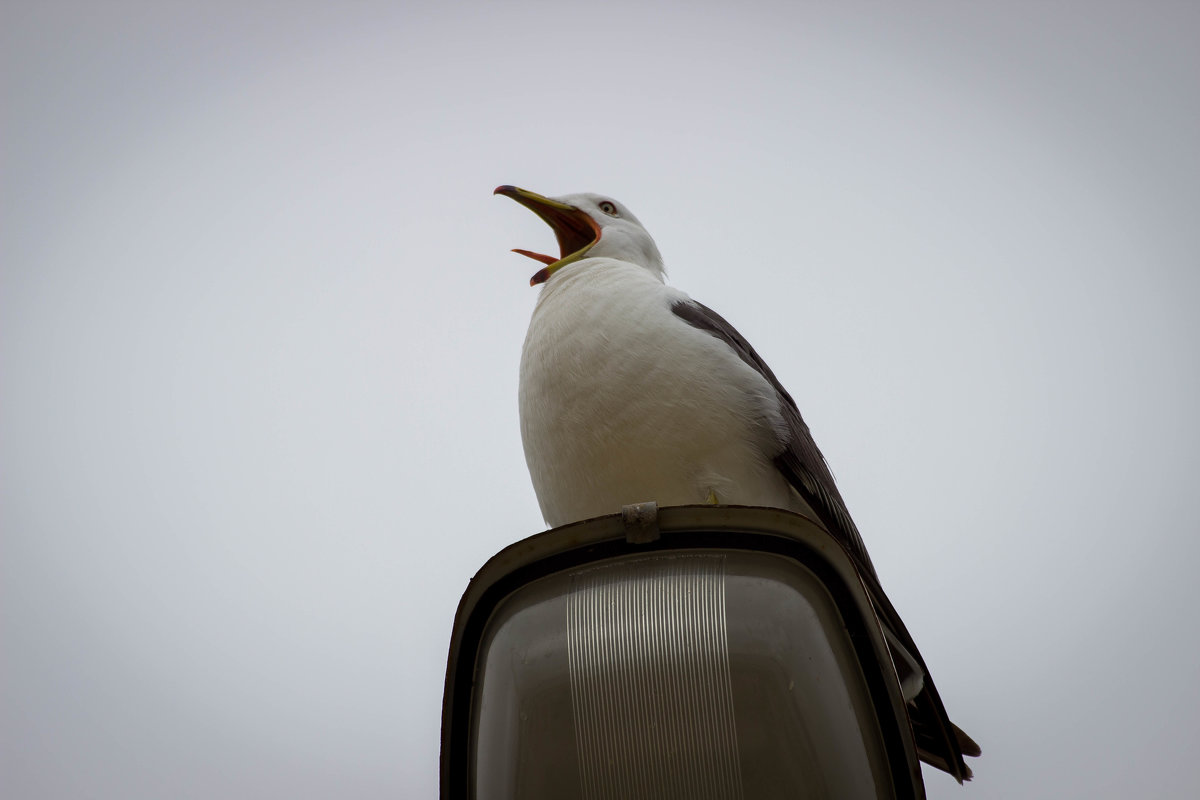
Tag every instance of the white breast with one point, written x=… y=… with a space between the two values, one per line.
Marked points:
x=623 y=402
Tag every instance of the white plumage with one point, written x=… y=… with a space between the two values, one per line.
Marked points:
x=622 y=401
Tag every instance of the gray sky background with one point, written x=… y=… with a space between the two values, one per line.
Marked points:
x=259 y=336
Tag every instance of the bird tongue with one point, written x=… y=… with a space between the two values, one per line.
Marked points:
x=536 y=256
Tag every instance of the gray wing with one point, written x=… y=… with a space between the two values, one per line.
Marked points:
x=939 y=741
x=800 y=461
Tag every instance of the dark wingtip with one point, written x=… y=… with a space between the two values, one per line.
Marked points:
x=965 y=742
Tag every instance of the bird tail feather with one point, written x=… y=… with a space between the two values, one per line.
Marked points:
x=940 y=743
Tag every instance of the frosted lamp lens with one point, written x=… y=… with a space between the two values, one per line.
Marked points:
x=699 y=675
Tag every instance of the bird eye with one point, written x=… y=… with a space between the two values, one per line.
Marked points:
x=608 y=208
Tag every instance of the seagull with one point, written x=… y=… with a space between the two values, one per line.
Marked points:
x=630 y=390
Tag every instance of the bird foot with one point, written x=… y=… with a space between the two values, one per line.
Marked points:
x=712 y=498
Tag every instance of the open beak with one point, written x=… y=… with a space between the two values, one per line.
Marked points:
x=576 y=231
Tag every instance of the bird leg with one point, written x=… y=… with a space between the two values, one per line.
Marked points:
x=712 y=498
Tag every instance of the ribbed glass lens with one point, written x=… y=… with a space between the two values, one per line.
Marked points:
x=700 y=675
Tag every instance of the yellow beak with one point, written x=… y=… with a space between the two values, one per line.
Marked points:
x=575 y=230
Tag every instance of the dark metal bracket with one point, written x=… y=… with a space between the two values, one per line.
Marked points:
x=641 y=522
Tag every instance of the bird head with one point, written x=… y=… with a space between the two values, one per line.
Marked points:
x=587 y=226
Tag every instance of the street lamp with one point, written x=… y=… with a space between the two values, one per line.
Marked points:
x=692 y=652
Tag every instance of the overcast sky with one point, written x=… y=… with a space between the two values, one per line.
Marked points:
x=259 y=336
